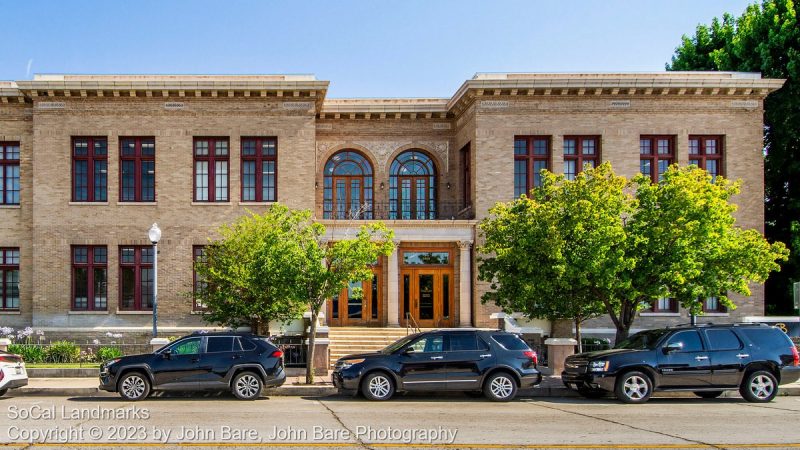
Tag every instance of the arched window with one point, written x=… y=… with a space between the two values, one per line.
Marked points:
x=347 y=186
x=412 y=187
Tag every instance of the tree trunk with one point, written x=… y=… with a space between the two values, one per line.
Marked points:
x=622 y=332
x=578 y=335
x=310 y=354
x=259 y=326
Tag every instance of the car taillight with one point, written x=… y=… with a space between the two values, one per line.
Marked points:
x=532 y=355
x=10 y=358
x=276 y=354
x=796 y=356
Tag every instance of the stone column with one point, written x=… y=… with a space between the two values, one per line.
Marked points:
x=393 y=300
x=157 y=343
x=464 y=286
x=557 y=351
x=4 y=343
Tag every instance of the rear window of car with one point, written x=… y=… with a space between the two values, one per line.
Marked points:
x=723 y=340
x=767 y=338
x=218 y=344
x=510 y=342
x=244 y=344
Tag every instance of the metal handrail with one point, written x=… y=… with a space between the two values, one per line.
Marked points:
x=409 y=321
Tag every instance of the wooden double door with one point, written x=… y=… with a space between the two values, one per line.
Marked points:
x=426 y=295
x=359 y=304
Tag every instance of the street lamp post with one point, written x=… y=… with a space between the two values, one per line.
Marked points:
x=154 y=233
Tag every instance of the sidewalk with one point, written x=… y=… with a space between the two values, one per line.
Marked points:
x=551 y=386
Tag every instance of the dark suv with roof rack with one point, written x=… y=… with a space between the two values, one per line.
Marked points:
x=240 y=362
x=495 y=363
x=705 y=359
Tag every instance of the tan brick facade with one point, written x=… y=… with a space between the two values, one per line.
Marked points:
x=485 y=114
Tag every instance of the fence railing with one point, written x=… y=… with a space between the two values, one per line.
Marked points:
x=398 y=211
x=294 y=350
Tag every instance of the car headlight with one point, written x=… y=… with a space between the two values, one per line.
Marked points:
x=348 y=363
x=598 y=366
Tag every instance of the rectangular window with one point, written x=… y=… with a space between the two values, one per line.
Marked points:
x=531 y=155
x=137 y=168
x=580 y=151
x=136 y=278
x=259 y=169
x=416 y=258
x=9 y=279
x=211 y=169
x=706 y=153
x=713 y=305
x=9 y=173
x=656 y=154
x=665 y=305
x=89 y=278
x=466 y=177
x=198 y=284
x=89 y=169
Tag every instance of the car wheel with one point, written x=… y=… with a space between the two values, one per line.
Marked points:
x=134 y=386
x=633 y=387
x=588 y=392
x=377 y=386
x=708 y=394
x=760 y=387
x=3 y=392
x=246 y=386
x=500 y=387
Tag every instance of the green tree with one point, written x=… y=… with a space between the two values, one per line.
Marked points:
x=326 y=265
x=623 y=244
x=766 y=39
x=548 y=251
x=245 y=281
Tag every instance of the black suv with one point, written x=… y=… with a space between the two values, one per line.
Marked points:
x=704 y=359
x=474 y=361
x=240 y=362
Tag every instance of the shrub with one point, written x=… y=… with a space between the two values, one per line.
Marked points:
x=29 y=353
x=106 y=353
x=62 y=352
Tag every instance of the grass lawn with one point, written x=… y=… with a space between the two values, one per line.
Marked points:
x=62 y=366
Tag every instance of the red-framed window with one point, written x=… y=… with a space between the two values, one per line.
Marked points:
x=713 y=305
x=531 y=155
x=9 y=173
x=656 y=154
x=89 y=278
x=706 y=153
x=211 y=163
x=137 y=169
x=665 y=305
x=466 y=176
x=259 y=169
x=198 y=284
x=578 y=152
x=136 y=278
x=89 y=169
x=9 y=279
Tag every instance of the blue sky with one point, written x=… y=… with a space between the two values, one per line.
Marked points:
x=409 y=48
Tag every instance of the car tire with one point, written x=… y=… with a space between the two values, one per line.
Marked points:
x=633 y=387
x=708 y=394
x=134 y=386
x=500 y=387
x=247 y=386
x=759 y=387
x=587 y=392
x=377 y=386
x=3 y=392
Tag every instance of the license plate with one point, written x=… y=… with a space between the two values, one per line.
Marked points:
x=19 y=370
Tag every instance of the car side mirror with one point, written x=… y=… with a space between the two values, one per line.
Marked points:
x=167 y=354
x=408 y=351
x=673 y=347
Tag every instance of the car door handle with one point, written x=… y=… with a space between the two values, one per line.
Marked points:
x=437 y=357
x=700 y=358
x=488 y=355
x=742 y=355
x=194 y=360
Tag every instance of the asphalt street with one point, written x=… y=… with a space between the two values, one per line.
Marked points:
x=412 y=421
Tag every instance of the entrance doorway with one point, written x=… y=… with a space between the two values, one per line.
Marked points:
x=426 y=288
x=358 y=304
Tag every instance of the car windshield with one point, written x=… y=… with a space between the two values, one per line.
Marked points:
x=644 y=340
x=397 y=345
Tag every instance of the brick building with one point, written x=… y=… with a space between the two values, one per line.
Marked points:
x=90 y=161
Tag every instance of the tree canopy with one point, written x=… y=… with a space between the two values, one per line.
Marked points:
x=623 y=244
x=764 y=38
